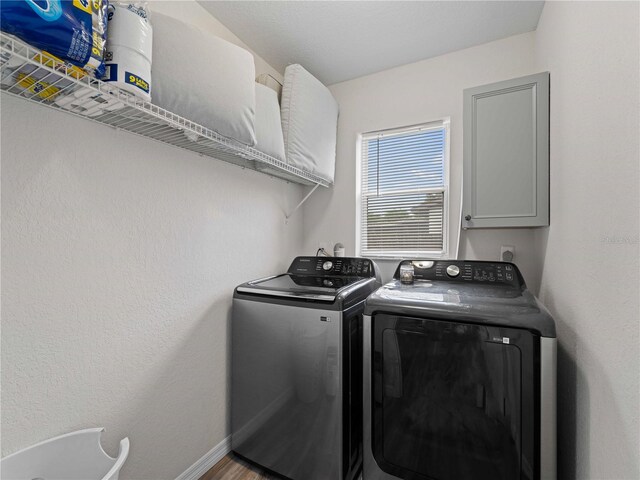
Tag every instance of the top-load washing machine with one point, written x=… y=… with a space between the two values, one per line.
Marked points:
x=459 y=376
x=296 y=368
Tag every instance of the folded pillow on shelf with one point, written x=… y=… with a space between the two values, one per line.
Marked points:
x=268 y=127
x=204 y=78
x=309 y=123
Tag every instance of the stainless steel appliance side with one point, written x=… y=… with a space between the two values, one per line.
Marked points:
x=286 y=388
x=370 y=468
x=548 y=408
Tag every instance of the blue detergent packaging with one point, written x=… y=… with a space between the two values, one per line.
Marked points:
x=74 y=31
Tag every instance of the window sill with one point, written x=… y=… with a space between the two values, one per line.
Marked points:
x=431 y=256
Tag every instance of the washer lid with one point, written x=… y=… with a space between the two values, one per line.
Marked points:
x=319 y=288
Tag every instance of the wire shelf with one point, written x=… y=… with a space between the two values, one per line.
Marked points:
x=28 y=73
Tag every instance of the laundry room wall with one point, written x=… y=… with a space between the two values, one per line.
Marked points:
x=416 y=93
x=119 y=259
x=589 y=254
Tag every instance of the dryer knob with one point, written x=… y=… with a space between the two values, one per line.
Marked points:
x=453 y=271
x=327 y=265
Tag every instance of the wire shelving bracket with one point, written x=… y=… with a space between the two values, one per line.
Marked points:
x=287 y=217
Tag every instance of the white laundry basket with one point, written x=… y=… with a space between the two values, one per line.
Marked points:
x=73 y=456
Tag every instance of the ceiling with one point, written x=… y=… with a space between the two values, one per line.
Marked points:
x=341 y=40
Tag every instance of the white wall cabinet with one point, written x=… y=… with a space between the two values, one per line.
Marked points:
x=506 y=154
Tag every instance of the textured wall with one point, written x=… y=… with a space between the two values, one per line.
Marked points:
x=416 y=93
x=590 y=280
x=119 y=259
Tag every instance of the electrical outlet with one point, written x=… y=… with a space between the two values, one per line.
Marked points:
x=507 y=253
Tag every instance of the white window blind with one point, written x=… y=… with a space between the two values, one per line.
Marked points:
x=404 y=192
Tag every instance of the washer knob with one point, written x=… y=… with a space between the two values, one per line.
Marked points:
x=327 y=265
x=453 y=271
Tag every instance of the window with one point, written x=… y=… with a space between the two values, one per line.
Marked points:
x=403 y=194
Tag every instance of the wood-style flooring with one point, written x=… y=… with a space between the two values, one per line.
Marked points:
x=234 y=468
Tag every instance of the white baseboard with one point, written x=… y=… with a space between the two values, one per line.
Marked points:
x=207 y=461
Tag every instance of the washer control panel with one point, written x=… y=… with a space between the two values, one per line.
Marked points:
x=347 y=266
x=464 y=271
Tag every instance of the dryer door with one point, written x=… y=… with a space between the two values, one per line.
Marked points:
x=453 y=401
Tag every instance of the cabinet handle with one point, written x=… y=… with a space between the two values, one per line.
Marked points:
x=467 y=218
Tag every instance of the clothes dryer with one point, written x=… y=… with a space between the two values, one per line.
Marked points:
x=459 y=376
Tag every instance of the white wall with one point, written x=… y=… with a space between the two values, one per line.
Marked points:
x=417 y=93
x=590 y=278
x=119 y=259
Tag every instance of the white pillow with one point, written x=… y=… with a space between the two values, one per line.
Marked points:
x=268 y=128
x=203 y=78
x=309 y=122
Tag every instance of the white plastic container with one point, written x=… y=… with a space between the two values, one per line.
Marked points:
x=129 y=48
x=73 y=456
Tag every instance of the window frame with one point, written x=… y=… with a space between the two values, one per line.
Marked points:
x=444 y=123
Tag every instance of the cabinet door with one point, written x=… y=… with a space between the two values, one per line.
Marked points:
x=506 y=154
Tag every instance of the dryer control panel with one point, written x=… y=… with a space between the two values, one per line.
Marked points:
x=467 y=271
x=333 y=266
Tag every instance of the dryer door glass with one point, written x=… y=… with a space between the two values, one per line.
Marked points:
x=453 y=400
